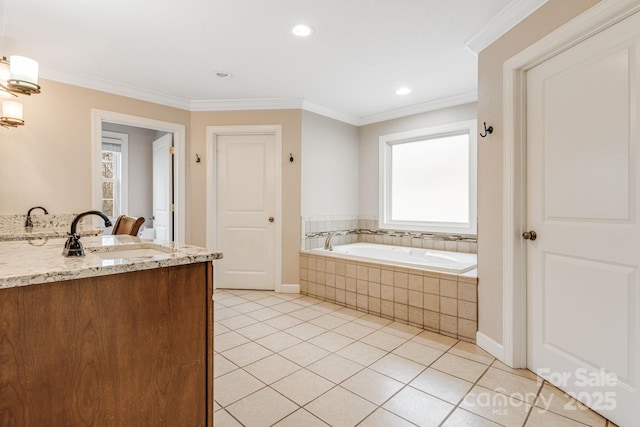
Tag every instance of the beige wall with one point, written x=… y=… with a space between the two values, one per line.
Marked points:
x=48 y=161
x=196 y=196
x=329 y=166
x=369 y=142
x=490 y=173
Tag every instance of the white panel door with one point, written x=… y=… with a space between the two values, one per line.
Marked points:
x=246 y=208
x=583 y=281
x=163 y=187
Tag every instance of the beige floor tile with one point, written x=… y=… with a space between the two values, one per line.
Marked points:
x=441 y=385
x=305 y=331
x=373 y=386
x=459 y=367
x=234 y=386
x=434 y=340
x=219 y=329
x=302 y=386
x=354 y=330
x=284 y=321
x=401 y=330
x=272 y=368
x=511 y=385
x=328 y=321
x=231 y=301
x=349 y=313
x=223 y=419
x=418 y=353
x=331 y=341
x=473 y=352
x=306 y=314
x=335 y=368
x=264 y=313
x=555 y=400
x=418 y=407
x=327 y=307
x=522 y=372
x=216 y=406
x=246 y=354
x=225 y=313
x=462 y=418
x=257 y=330
x=227 y=341
x=262 y=408
x=496 y=407
x=383 y=340
x=247 y=307
x=542 y=418
x=304 y=353
x=269 y=301
x=301 y=418
x=372 y=321
x=237 y=322
x=286 y=307
x=278 y=341
x=398 y=368
x=362 y=353
x=222 y=366
x=340 y=408
x=384 y=418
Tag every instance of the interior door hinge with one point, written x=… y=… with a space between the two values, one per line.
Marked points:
x=172 y=150
x=172 y=207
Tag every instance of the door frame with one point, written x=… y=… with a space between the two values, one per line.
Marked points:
x=179 y=161
x=602 y=15
x=211 y=185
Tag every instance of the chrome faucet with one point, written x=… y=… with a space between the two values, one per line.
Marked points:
x=28 y=222
x=73 y=247
x=328 y=243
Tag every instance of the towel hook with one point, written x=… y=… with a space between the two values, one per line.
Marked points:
x=198 y=160
x=487 y=130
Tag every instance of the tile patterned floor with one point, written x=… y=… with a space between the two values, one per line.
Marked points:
x=294 y=361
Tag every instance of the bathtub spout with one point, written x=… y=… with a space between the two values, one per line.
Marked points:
x=328 y=243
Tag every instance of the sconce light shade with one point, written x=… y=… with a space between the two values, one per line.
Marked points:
x=11 y=114
x=4 y=78
x=23 y=75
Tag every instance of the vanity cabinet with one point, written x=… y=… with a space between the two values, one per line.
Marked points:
x=126 y=349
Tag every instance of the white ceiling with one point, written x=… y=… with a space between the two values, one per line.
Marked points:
x=168 y=51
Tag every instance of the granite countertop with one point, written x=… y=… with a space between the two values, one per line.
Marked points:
x=12 y=233
x=28 y=262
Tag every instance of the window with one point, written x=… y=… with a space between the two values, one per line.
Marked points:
x=428 y=179
x=114 y=174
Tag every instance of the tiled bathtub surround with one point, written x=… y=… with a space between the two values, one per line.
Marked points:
x=439 y=302
x=364 y=228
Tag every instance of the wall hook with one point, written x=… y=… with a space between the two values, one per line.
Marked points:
x=290 y=157
x=487 y=130
x=198 y=160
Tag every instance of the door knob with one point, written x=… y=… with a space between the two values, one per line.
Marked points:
x=271 y=219
x=529 y=235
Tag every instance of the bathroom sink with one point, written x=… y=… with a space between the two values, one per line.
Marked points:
x=146 y=250
x=130 y=253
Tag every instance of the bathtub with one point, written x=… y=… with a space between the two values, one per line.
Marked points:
x=428 y=259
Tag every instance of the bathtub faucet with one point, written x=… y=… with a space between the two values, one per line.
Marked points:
x=328 y=243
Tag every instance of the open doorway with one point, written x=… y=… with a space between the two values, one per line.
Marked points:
x=171 y=223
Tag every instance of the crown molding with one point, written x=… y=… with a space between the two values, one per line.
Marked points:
x=332 y=114
x=246 y=104
x=251 y=103
x=505 y=20
x=117 y=89
x=424 y=107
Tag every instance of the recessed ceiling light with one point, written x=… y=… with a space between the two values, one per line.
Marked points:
x=403 y=91
x=302 y=30
x=224 y=75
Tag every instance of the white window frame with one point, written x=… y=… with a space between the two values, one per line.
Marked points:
x=384 y=170
x=122 y=183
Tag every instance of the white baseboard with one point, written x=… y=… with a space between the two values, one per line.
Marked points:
x=490 y=346
x=290 y=289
